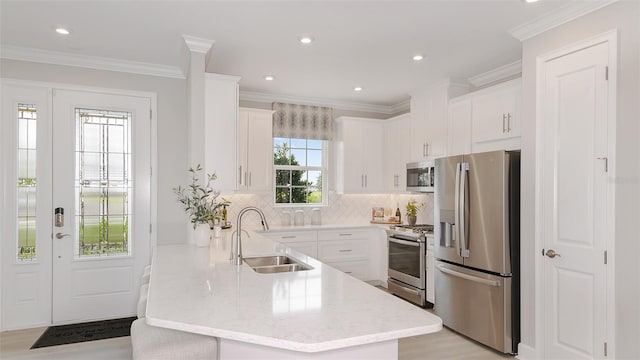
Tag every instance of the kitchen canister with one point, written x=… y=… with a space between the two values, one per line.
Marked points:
x=298 y=218
x=316 y=218
x=285 y=218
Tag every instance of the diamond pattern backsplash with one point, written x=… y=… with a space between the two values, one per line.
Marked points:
x=341 y=210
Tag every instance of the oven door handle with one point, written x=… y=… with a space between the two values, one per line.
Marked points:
x=404 y=242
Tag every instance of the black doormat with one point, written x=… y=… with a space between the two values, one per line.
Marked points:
x=75 y=333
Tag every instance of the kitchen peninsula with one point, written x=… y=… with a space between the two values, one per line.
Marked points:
x=319 y=313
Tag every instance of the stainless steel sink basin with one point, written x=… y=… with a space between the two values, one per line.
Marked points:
x=275 y=264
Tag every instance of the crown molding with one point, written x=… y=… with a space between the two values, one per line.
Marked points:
x=92 y=62
x=196 y=44
x=401 y=107
x=497 y=74
x=562 y=15
x=336 y=104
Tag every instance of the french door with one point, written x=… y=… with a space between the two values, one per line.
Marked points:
x=574 y=107
x=82 y=231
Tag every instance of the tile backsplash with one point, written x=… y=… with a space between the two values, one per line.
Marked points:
x=354 y=209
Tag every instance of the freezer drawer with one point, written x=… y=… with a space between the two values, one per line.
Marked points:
x=475 y=304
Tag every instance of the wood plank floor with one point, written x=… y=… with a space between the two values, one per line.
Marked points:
x=445 y=344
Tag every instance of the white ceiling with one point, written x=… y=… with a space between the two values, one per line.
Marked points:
x=365 y=43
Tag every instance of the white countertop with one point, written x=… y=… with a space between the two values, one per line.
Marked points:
x=198 y=290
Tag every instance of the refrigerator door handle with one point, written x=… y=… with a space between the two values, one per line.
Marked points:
x=469 y=277
x=456 y=210
x=464 y=244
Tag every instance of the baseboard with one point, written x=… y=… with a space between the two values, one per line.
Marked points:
x=526 y=352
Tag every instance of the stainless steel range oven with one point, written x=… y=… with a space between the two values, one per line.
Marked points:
x=407 y=262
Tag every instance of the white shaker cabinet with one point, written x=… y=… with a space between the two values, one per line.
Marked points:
x=397 y=152
x=495 y=112
x=305 y=242
x=347 y=250
x=255 y=150
x=221 y=113
x=359 y=150
x=459 y=127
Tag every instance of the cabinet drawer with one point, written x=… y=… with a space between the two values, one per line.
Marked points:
x=357 y=269
x=291 y=236
x=343 y=234
x=339 y=250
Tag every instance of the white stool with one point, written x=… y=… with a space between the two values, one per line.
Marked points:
x=146 y=275
x=156 y=343
x=142 y=300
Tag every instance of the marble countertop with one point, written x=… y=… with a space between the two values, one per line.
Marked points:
x=197 y=290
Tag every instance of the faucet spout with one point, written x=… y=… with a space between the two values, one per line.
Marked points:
x=236 y=257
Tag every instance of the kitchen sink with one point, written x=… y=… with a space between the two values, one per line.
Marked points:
x=275 y=264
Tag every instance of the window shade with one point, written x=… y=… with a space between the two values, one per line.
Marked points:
x=302 y=121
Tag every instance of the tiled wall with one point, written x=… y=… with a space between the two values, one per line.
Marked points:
x=341 y=210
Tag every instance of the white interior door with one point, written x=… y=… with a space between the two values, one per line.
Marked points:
x=574 y=191
x=101 y=180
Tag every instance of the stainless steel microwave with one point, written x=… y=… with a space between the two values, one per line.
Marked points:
x=420 y=176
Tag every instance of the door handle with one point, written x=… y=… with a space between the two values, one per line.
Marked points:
x=61 y=235
x=550 y=253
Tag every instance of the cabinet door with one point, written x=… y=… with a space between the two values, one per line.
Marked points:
x=495 y=113
x=243 y=140
x=397 y=149
x=221 y=120
x=259 y=151
x=459 y=128
x=352 y=167
x=372 y=151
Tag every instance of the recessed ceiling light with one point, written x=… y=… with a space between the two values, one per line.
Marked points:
x=530 y=1
x=417 y=57
x=269 y=77
x=62 y=31
x=306 y=39
x=357 y=88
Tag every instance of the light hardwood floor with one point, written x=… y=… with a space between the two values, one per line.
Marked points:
x=445 y=344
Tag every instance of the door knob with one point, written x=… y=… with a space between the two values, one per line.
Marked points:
x=550 y=253
x=61 y=235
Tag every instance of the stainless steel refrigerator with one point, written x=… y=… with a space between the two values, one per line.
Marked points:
x=477 y=247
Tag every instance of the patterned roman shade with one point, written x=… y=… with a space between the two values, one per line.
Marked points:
x=302 y=121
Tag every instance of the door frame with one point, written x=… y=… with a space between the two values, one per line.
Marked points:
x=610 y=37
x=5 y=186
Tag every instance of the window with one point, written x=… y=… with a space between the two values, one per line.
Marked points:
x=299 y=167
x=27 y=185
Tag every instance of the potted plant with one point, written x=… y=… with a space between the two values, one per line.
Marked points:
x=412 y=209
x=202 y=204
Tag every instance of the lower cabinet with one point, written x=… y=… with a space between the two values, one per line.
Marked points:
x=305 y=242
x=354 y=251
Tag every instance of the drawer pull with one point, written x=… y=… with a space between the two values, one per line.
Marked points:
x=345 y=234
x=345 y=250
x=289 y=237
x=348 y=272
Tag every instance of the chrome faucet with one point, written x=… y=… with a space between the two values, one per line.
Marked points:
x=237 y=249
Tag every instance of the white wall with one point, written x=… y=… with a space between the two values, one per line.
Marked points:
x=624 y=16
x=171 y=126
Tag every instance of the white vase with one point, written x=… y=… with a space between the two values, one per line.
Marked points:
x=202 y=235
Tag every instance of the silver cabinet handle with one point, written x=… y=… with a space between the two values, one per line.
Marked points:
x=551 y=254
x=346 y=234
x=240 y=175
x=345 y=250
x=424 y=149
x=288 y=237
x=504 y=120
x=426 y=146
x=61 y=235
x=508 y=122
x=366 y=181
x=250 y=179
x=245 y=179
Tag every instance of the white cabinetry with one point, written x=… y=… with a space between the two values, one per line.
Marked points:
x=220 y=114
x=255 y=150
x=459 y=127
x=496 y=117
x=397 y=152
x=359 y=150
x=429 y=108
x=302 y=241
x=431 y=286
x=347 y=250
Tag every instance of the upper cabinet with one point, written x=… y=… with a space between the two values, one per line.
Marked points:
x=220 y=127
x=429 y=109
x=255 y=150
x=495 y=112
x=397 y=152
x=359 y=150
x=485 y=120
x=459 y=127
